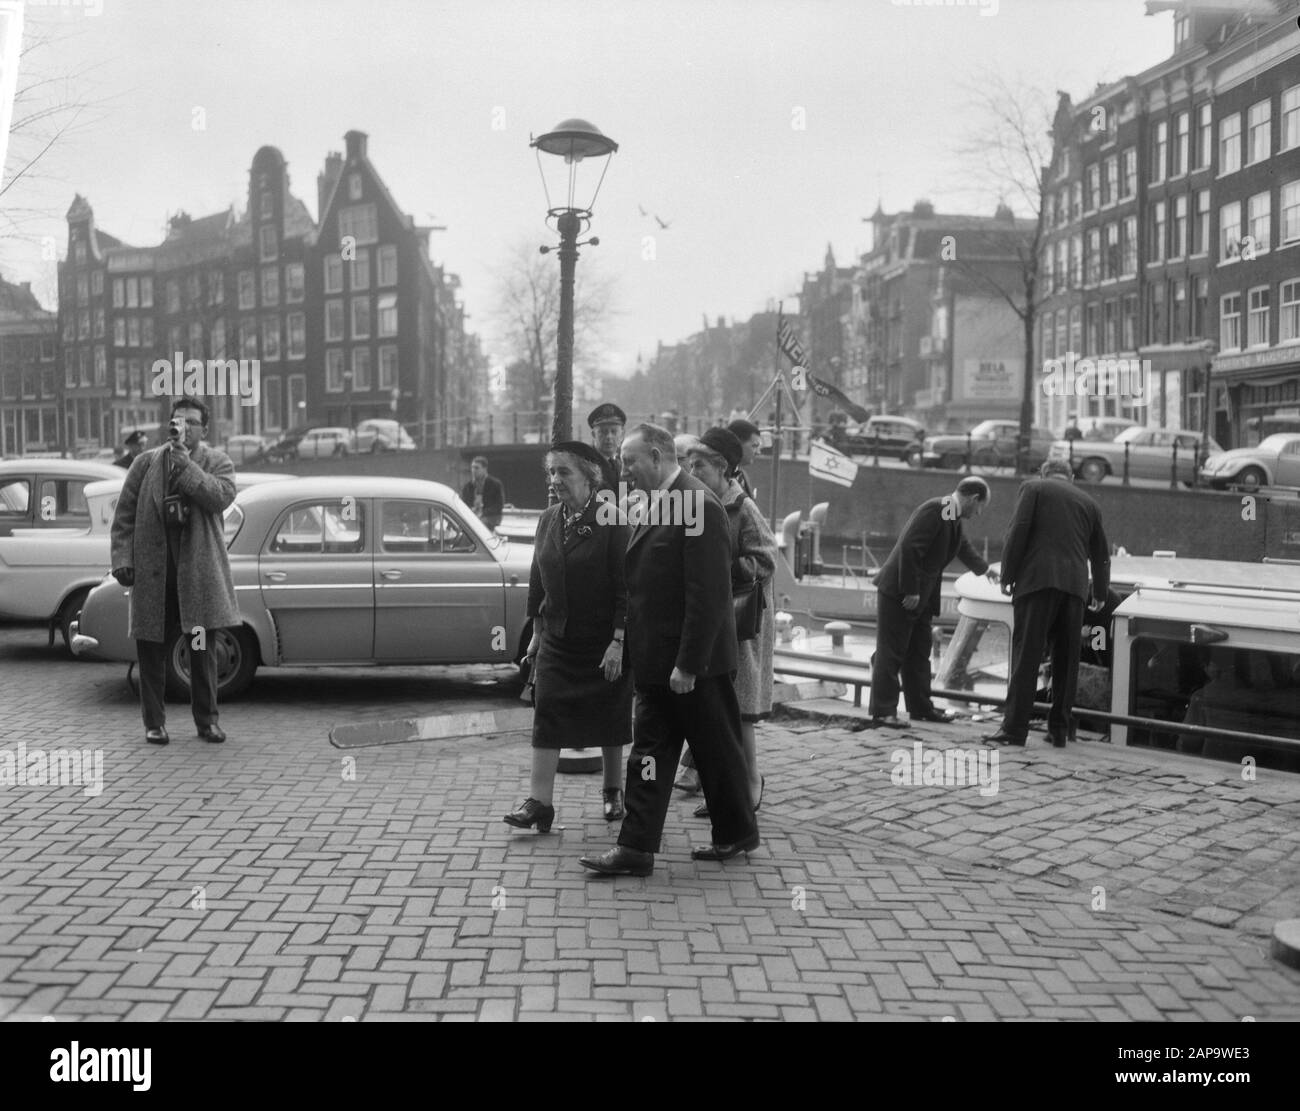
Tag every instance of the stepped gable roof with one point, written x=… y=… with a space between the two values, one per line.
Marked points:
x=18 y=303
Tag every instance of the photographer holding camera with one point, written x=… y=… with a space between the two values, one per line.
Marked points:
x=169 y=547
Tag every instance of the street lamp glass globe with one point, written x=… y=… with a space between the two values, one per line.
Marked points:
x=573 y=143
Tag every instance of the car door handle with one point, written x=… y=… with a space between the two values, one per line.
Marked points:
x=390 y=575
x=276 y=576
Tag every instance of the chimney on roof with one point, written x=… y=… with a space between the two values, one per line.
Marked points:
x=325 y=181
x=1004 y=213
x=356 y=144
x=923 y=210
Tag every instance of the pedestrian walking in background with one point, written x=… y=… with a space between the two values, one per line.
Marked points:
x=908 y=588
x=607 y=423
x=751 y=443
x=132 y=446
x=1054 y=537
x=681 y=639
x=484 y=494
x=713 y=460
x=169 y=547
x=578 y=602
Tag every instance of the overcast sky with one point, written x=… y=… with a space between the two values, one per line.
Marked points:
x=705 y=98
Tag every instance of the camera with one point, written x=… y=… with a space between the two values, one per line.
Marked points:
x=176 y=428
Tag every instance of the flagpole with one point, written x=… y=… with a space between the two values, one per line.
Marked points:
x=776 y=436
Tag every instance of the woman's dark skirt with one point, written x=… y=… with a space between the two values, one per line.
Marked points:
x=575 y=706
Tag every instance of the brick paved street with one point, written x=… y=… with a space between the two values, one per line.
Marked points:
x=400 y=894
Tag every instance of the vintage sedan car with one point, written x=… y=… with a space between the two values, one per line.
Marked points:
x=1097 y=428
x=324 y=443
x=894 y=435
x=346 y=571
x=46 y=573
x=1150 y=454
x=992 y=445
x=1273 y=462
x=48 y=493
x=382 y=435
x=244 y=447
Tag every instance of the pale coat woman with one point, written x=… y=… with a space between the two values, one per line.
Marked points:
x=204 y=587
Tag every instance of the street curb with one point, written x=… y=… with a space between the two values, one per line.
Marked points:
x=432 y=727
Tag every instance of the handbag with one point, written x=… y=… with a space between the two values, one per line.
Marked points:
x=748 y=602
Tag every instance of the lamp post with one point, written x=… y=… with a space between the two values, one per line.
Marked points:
x=574 y=142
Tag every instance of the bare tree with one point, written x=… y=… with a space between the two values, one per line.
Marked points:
x=52 y=105
x=1009 y=158
x=526 y=318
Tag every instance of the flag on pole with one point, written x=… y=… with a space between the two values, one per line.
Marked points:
x=831 y=393
x=826 y=463
x=789 y=343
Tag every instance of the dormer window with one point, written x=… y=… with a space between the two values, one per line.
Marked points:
x=354 y=187
x=1182 y=28
x=266 y=207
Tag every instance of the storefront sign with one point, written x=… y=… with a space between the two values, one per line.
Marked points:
x=1274 y=356
x=992 y=379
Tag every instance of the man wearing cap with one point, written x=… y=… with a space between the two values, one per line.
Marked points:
x=132 y=446
x=607 y=422
x=907 y=597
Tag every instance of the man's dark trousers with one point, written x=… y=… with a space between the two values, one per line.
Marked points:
x=707 y=718
x=152 y=658
x=1052 y=619
x=903 y=643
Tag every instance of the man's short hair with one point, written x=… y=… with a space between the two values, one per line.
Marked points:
x=191 y=403
x=743 y=430
x=1056 y=467
x=973 y=487
x=479 y=459
x=656 y=436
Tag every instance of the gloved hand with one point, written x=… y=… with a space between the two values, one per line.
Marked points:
x=124 y=575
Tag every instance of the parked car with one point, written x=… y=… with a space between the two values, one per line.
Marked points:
x=283 y=449
x=895 y=436
x=97 y=454
x=1274 y=462
x=1150 y=454
x=48 y=493
x=400 y=572
x=244 y=448
x=46 y=573
x=993 y=443
x=383 y=435
x=322 y=443
x=1098 y=428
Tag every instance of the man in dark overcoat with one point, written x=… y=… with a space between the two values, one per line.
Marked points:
x=1054 y=537
x=681 y=639
x=168 y=546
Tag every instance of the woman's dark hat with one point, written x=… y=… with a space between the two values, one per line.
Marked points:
x=134 y=438
x=581 y=450
x=724 y=443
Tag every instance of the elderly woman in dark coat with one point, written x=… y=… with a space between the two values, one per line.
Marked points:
x=578 y=602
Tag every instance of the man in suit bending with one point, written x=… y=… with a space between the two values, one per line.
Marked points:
x=681 y=642
x=1055 y=534
x=907 y=593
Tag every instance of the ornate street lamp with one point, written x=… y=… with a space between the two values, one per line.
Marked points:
x=574 y=143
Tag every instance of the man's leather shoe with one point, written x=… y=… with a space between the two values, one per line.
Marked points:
x=934 y=714
x=1002 y=738
x=214 y=734
x=1058 y=739
x=726 y=852
x=531 y=813
x=620 y=861
x=157 y=736
x=887 y=721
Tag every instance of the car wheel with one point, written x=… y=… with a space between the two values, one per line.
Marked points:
x=987 y=460
x=1092 y=470
x=1250 y=480
x=69 y=612
x=952 y=460
x=237 y=659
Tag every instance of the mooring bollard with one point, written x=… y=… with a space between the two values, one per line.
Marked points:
x=838 y=630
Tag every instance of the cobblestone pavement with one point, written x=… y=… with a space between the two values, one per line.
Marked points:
x=256 y=880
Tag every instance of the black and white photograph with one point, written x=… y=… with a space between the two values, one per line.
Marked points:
x=651 y=511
